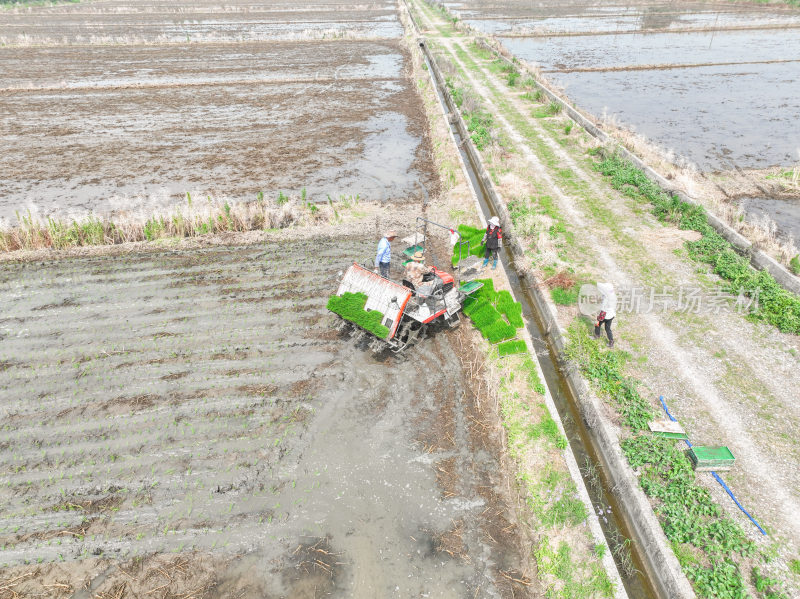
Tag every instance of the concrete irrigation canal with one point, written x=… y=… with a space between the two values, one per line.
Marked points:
x=183 y=188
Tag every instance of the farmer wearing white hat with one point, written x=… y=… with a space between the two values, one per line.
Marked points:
x=493 y=238
x=384 y=256
x=416 y=270
x=608 y=310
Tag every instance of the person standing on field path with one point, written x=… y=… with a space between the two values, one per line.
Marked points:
x=608 y=310
x=383 y=258
x=493 y=238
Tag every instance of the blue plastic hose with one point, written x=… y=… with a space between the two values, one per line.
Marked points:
x=717 y=476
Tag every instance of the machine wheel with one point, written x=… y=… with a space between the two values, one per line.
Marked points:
x=454 y=321
x=408 y=333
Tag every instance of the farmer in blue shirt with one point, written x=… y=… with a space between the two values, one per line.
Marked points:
x=384 y=255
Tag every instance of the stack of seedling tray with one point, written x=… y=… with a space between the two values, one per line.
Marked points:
x=668 y=429
x=705 y=459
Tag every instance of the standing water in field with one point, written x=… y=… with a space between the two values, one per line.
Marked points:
x=714 y=86
x=127 y=111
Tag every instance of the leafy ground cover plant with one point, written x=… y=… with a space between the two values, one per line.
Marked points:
x=708 y=544
x=350 y=306
x=776 y=305
x=605 y=369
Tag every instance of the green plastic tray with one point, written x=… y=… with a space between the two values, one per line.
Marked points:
x=470 y=287
x=413 y=250
x=711 y=458
x=666 y=435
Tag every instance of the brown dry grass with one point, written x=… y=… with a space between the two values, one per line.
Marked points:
x=564 y=280
x=190 y=220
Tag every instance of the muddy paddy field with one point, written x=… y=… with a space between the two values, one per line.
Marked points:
x=712 y=85
x=189 y=421
x=131 y=122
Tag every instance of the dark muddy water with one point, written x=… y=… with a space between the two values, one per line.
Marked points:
x=786 y=213
x=629 y=50
x=716 y=118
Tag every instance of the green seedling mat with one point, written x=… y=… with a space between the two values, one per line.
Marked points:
x=413 y=250
x=470 y=287
x=711 y=458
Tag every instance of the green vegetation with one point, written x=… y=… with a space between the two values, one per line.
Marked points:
x=604 y=369
x=532 y=376
x=474 y=235
x=499 y=330
x=564 y=297
x=794 y=265
x=479 y=124
x=350 y=306
x=559 y=563
x=706 y=542
x=548 y=429
x=770 y=587
x=485 y=308
x=478 y=121
x=794 y=566
x=776 y=305
x=548 y=491
x=511 y=309
x=508 y=348
x=536 y=96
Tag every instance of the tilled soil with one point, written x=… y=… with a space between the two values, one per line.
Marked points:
x=108 y=67
x=185 y=423
x=135 y=123
x=145 y=22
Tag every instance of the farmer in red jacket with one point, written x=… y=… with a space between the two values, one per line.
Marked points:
x=493 y=238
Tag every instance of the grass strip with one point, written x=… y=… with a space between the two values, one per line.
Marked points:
x=708 y=544
x=605 y=369
x=188 y=220
x=776 y=305
x=350 y=306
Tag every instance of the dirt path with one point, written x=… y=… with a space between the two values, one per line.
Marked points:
x=729 y=380
x=198 y=404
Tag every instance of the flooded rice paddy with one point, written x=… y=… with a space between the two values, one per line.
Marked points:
x=198 y=405
x=101 y=111
x=718 y=98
